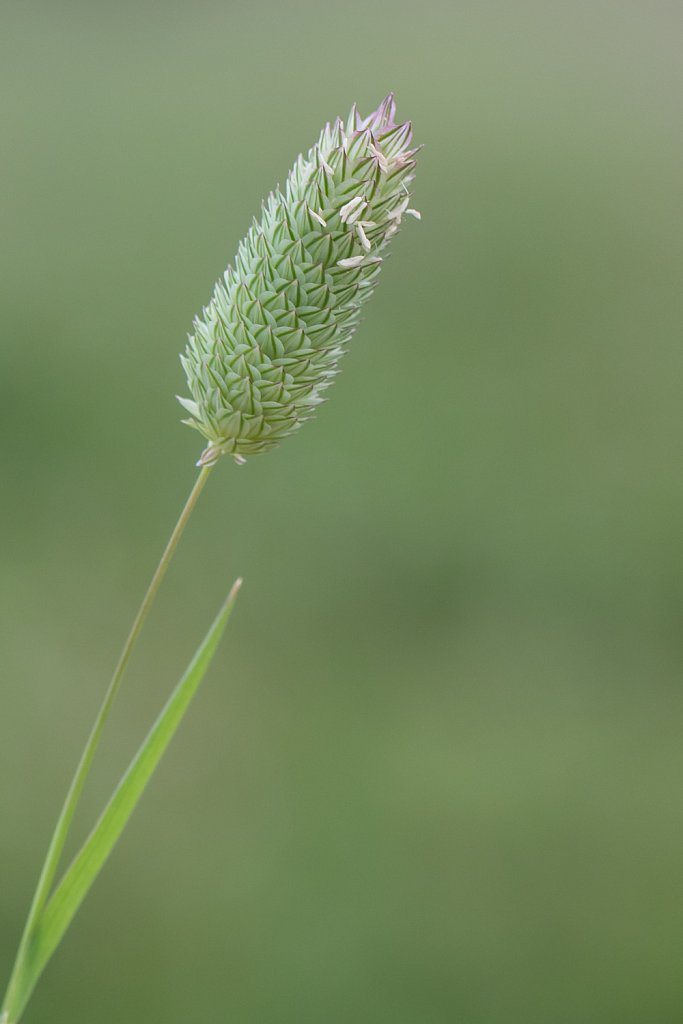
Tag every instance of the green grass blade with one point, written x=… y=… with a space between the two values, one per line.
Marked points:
x=83 y=871
x=63 y=824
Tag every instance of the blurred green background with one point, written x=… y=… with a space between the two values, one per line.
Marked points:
x=435 y=774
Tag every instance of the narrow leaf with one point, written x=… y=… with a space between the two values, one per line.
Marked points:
x=79 y=877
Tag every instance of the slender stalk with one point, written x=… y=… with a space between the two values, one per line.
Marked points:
x=60 y=833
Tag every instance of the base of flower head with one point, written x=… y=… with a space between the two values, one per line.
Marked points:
x=239 y=447
x=210 y=457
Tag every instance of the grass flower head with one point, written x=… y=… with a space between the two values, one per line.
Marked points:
x=269 y=342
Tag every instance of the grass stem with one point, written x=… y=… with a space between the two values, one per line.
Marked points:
x=8 y=1013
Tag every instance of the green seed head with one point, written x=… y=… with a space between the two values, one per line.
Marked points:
x=269 y=342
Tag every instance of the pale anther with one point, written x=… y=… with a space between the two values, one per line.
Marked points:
x=364 y=240
x=348 y=209
x=351 y=261
x=316 y=216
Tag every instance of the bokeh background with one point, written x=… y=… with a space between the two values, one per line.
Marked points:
x=435 y=773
